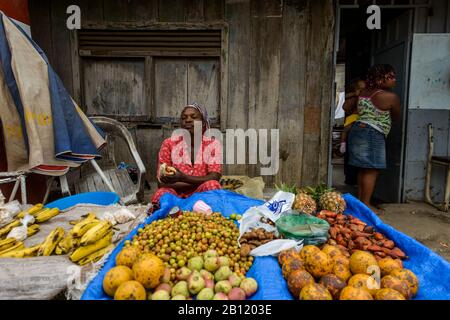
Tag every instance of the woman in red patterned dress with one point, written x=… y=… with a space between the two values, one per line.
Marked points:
x=202 y=175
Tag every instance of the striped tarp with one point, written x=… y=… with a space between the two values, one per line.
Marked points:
x=45 y=131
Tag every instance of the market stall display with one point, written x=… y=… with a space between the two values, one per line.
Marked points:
x=350 y=233
x=268 y=274
x=144 y=276
x=184 y=256
x=327 y=274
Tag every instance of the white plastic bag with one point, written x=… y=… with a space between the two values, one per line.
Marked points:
x=8 y=211
x=2 y=198
x=108 y=216
x=123 y=216
x=20 y=233
x=118 y=217
x=281 y=202
x=274 y=247
x=255 y=217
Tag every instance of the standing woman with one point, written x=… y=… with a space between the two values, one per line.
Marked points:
x=196 y=170
x=377 y=108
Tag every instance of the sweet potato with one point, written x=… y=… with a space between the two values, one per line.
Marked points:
x=357 y=221
x=345 y=230
x=332 y=242
x=358 y=234
x=389 y=244
x=379 y=243
x=343 y=243
x=328 y=214
x=321 y=215
x=374 y=248
x=330 y=221
x=339 y=238
x=351 y=245
x=347 y=236
x=361 y=228
x=353 y=227
x=378 y=236
x=333 y=232
x=398 y=253
x=342 y=248
x=368 y=229
x=380 y=254
x=362 y=243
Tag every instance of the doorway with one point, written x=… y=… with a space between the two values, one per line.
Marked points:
x=359 y=48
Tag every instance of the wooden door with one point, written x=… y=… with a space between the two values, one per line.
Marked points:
x=181 y=81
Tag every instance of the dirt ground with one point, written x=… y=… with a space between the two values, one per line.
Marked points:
x=422 y=222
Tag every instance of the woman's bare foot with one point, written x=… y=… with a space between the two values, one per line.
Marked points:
x=376 y=209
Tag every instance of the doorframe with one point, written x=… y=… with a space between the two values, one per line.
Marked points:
x=413 y=8
x=408 y=48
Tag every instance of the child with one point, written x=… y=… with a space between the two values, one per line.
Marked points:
x=351 y=112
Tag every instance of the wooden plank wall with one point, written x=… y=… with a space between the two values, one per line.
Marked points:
x=280 y=69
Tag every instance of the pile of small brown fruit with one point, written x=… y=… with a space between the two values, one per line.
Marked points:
x=177 y=240
x=255 y=238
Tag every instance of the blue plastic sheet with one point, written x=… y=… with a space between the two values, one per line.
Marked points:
x=432 y=270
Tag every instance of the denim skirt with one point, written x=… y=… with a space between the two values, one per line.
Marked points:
x=366 y=147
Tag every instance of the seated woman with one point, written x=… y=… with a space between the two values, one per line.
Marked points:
x=202 y=175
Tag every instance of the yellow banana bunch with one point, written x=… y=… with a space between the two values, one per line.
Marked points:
x=32 y=230
x=66 y=245
x=95 y=256
x=50 y=243
x=84 y=251
x=90 y=216
x=7 y=243
x=18 y=245
x=46 y=215
x=21 y=252
x=6 y=229
x=82 y=227
x=96 y=233
x=33 y=210
x=58 y=251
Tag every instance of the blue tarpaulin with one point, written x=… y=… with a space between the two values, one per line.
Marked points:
x=432 y=270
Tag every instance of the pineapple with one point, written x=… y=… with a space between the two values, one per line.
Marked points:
x=305 y=203
x=286 y=188
x=332 y=201
x=316 y=192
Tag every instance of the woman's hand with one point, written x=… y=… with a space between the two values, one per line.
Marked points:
x=178 y=176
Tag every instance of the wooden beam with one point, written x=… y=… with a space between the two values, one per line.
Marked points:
x=264 y=72
x=238 y=17
x=292 y=94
